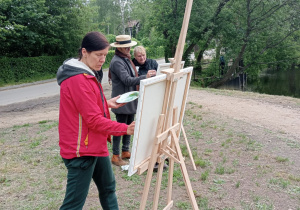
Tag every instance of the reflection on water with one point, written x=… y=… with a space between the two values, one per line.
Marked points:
x=285 y=83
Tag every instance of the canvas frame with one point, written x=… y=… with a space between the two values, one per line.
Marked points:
x=150 y=106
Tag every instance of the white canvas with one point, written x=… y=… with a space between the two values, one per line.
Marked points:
x=150 y=104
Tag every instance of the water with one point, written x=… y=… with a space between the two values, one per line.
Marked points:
x=286 y=83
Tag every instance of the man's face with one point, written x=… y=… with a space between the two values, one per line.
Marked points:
x=124 y=50
x=140 y=57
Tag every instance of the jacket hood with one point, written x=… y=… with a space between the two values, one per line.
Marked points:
x=72 y=67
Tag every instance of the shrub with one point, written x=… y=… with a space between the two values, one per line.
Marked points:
x=19 y=69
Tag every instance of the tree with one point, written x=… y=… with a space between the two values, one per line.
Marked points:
x=205 y=31
x=70 y=21
x=166 y=19
x=260 y=28
x=255 y=31
x=108 y=15
x=43 y=27
x=113 y=15
x=21 y=23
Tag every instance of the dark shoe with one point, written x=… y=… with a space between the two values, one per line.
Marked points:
x=116 y=160
x=126 y=155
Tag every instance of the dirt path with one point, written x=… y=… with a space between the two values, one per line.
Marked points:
x=275 y=113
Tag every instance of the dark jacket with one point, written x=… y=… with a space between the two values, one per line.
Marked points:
x=148 y=65
x=123 y=81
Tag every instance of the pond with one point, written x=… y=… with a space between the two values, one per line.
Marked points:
x=286 y=83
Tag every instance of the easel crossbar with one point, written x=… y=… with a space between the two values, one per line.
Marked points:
x=170 y=156
x=161 y=137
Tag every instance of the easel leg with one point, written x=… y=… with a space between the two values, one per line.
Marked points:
x=170 y=177
x=171 y=161
x=158 y=184
x=188 y=147
x=184 y=172
x=151 y=164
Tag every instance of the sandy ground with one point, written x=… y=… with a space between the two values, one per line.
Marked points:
x=264 y=118
x=272 y=112
x=276 y=113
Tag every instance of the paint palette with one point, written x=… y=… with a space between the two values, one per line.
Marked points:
x=128 y=97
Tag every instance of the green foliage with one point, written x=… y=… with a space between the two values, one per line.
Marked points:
x=266 y=31
x=155 y=52
x=111 y=38
x=163 y=24
x=19 y=69
x=263 y=33
x=109 y=56
x=43 y=27
x=204 y=175
x=109 y=15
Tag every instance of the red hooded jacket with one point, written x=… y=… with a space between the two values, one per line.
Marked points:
x=83 y=128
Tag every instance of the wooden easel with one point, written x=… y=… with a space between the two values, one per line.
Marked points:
x=163 y=148
x=181 y=115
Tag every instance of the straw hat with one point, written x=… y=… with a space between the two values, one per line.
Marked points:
x=123 y=41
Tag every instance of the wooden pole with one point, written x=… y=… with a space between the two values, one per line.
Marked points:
x=181 y=41
x=151 y=164
x=188 y=148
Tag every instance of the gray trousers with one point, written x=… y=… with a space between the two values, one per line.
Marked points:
x=122 y=118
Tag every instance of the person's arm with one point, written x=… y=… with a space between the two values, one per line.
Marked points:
x=120 y=69
x=85 y=100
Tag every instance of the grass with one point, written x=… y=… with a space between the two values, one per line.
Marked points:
x=282 y=159
x=204 y=175
x=234 y=169
x=201 y=162
x=280 y=182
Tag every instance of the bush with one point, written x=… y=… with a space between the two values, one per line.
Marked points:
x=28 y=69
x=14 y=70
x=155 y=52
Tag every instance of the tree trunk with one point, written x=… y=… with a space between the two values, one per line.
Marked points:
x=188 y=51
x=230 y=71
x=235 y=64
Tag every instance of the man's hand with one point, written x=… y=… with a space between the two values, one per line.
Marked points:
x=130 y=129
x=113 y=104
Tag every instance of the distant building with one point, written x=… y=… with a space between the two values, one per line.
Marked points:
x=133 y=27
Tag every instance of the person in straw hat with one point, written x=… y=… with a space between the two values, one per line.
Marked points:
x=124 y=78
